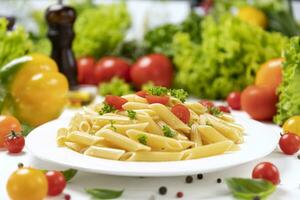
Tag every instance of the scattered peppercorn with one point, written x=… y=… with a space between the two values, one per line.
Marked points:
x=219 y=180
x=256 y=198
x=20 y=165
x=162 y=190
x=298 y=156
x=200 y=176
x=179 y=194
x=281 y=134
x=67 y=197
x=189 y=179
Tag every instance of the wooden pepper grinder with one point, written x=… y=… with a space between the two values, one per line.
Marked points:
x=60 y=19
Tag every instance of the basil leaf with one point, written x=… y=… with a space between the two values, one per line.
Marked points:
x=97 y=193
x=69 y=174
x=26 y=129
x=248 y=189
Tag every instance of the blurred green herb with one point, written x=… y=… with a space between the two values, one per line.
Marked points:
x=168 y=132
x=97 y=193
x=131 y=114
x=142 y=138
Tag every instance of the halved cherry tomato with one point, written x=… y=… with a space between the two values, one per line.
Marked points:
x=234 y=100
x=157 y=99
x=14 y=142
x=181 y=112
x=225 y=109
x=141 y=93
x=115 y=101
x=56 y=182
x=289 y=143
x=266 y=171
x=8 y=124
x=207 y=103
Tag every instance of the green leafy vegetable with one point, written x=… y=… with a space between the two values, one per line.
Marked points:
x=226 y=60
x=248 y=189
x=106 y=109
x=158 y=91
x=69 y=174
x=97 y=193
x=168 y=132
x=131 y=114
x=180 y=94
x=100 y=29
x=142 y=138
x=116 y=87
x=13 y=44
x=289 y=90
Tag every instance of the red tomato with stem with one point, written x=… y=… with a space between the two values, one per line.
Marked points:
x=207 y=103
x=141 y=93
x=14 y=142
x=8 y=124
x=155 y=68
x=289 y=143
x=157 y=99
x=181 y=112
x=109 y=67
x=86 y=68
x=56 y=182
x=266 y=171
x=234 y=100
x=115 y=101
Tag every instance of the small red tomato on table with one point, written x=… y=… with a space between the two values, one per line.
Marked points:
x=56 y=182
x=266 y=171
x=289 y=143
x=234 y=100
x=86 y=68
x=14 y=142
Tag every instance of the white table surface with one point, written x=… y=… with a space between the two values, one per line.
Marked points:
x=147 y=188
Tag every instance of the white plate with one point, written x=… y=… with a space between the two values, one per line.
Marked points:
x=260 y=140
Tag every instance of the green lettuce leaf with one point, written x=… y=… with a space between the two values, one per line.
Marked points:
x=289 y=90
x=116 y=87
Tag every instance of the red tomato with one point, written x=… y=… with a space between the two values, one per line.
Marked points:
x=115 y=101
x=157 y=99
x=289 y=143
x=266 y=171
x=109 y=67
x=14 y=142
x=56 y=182
x=234 y=100
x=207 y=103
x=156 y=68
x=141 y=93
x=85 y=68
x=181 y=112
x=8 y=124
x=259 y=102
x=225 y=109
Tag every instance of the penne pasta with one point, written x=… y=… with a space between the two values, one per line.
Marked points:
x=152 y=156
x=104 y=152
x=210 y=135
x=82 y=138
x=195 y=135
x=122 y=128
x=61 y=136
x=134 y=98
x=152 y=127
x=198 y=108
x=135 y=106
x=75 y=146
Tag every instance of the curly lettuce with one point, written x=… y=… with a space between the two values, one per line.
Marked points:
x=116 y=87
x=289 y=90
x=227 y=58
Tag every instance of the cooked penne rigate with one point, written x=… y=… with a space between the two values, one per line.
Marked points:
x=150 y=130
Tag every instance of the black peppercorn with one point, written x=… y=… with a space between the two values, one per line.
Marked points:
x=298 y=156
x=200 y=176
x=219 y=180
x=189 y=179
x=162 y=190
x=20 y=165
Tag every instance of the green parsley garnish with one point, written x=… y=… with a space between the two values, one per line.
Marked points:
x=215 y=111
x=106 y=109
x=112 y=125
x=99 y=193
x=131 y=114
x=158 y=91
x=180 y=94
x=168 y=132
x=142 y=138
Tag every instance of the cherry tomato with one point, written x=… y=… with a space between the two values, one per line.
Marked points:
x=157 y=99
x=8 y=124
x=270 y=74
x=86 y=68
x=27 y=183
x=115 y=101
x=141 y=93
x=259 y=102
x=207 y=103
x=14 y=142
x=56 y=182
x=225 y=109
x=292 y=125
x=289 y=143
x=266 y=171
x=155 y=68
x=234 y=100
x=109 y=67
x=181 y=112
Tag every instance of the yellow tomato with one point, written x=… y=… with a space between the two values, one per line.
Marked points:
x=253 y=16
x=292 y=125
x=27 y=184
